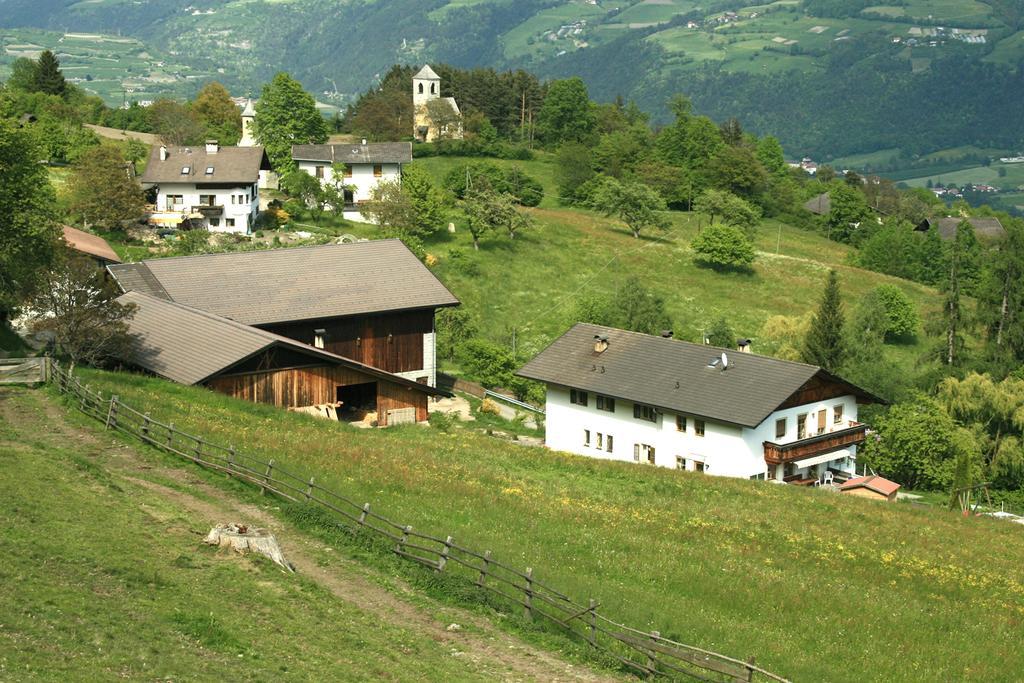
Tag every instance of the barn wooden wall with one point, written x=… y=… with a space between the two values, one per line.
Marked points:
x=365 y=338
x=295 y=387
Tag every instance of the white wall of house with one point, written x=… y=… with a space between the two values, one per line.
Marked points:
x=724 y=450
x=241 y=204
x=364 y=177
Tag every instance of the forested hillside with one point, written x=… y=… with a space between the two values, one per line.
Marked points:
x=828 y=78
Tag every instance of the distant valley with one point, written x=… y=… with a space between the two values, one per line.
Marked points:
x=841 y=80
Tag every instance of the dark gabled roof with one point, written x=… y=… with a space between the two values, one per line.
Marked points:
x=239 y=165
x=299 y=283
x=674 y=375
x=355 y=153
x=89 y=244
x=820 y=205
x=189 y=346
x=984 y=228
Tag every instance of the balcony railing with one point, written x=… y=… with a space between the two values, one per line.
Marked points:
x=819 y=444
x=208 y=210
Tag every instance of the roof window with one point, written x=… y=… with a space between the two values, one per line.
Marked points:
x=209 y=170
x=185 y=170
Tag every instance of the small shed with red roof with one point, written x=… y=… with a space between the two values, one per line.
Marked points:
x=878 y=488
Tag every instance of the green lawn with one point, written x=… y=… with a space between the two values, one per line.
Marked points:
x=817 y=586
x=105 y=579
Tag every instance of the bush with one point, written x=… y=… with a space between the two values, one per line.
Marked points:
x=441 y=421
x=723 y=246
x=902 y=317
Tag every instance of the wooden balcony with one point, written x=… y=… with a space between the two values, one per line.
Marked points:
x=778 y=454
x=208 y=210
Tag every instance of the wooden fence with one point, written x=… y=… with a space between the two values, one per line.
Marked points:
x=645 y=653
x=24 y=370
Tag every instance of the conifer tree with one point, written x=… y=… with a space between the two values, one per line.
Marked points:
x=952 y=311
x=49 y=79
x=824 y=344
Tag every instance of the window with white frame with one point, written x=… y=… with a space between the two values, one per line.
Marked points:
x=681 y=423
x=599 y=444
x=577 y=397
x=608 y=443
x=837 y=414
x=680 y=462
x=605 y=403
x=698 y=427
x=586 y=437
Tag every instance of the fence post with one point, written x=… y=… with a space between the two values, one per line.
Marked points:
x=198 y=450
x=593 y=622
x=483 y=572
x=404 y=539
x=145 y=427
x=231 y=460
x=362 y=515
x=750 y=668
x=652 y=663
x=309 y=489
x=266 y=478
x=170 y=436
x=112 y=413
x=443 y=560
x=528 y=593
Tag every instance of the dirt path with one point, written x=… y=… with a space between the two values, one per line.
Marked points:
x=495 y=653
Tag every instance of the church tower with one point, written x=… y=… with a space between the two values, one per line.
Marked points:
x=426 y=86
x=248 y=116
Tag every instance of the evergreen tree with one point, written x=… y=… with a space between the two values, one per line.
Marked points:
x=286 y=115
x=1001 y=298
x=720 y=334
x=952 y=311
x=49 y=79
x=567 y=114
x=825 y=345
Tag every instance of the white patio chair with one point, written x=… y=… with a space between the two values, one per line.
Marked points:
x=827 y=479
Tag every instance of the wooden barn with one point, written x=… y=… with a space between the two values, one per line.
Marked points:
x=196 y=347
x=371 y=302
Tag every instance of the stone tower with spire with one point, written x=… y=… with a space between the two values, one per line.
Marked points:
x=248 y=116
x=426 y=88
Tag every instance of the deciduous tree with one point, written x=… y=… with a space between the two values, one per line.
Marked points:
x=29 y=235
x=78 y=306
x=723 y=246
x=567 y=114
x=218 y=114
x=286 y=115
x=634 y=203
x=101 y=190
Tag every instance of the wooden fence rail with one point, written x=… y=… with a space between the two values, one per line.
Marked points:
x=645 y=653
x=24 y=370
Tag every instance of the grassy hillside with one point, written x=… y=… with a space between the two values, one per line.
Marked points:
x=532 y=284
x=817 y=586
x=107 y=578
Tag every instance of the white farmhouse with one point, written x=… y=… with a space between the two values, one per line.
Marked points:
x=634 y=397
x=211 y=187
x=365 y=166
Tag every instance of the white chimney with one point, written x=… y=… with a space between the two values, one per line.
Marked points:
x=743 y=345
x=212 y=147
x=364 y=142
x=163 y=153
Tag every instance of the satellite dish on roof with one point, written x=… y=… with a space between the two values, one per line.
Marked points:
x=725 y=361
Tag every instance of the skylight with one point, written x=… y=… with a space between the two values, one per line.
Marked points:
x=185 y=170
x=209 y=170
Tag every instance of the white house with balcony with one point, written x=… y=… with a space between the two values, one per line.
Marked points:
x=634 y=397
x=209 y=186
x=360 y=167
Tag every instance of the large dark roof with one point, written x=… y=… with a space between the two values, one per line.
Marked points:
x=355 y=153
x=188 y=346
x=239 y=165
x=821 y=204
x=300 y=283
x=984 y=228
x=673 y=374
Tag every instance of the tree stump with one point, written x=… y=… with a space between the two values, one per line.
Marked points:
x=245 y=539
